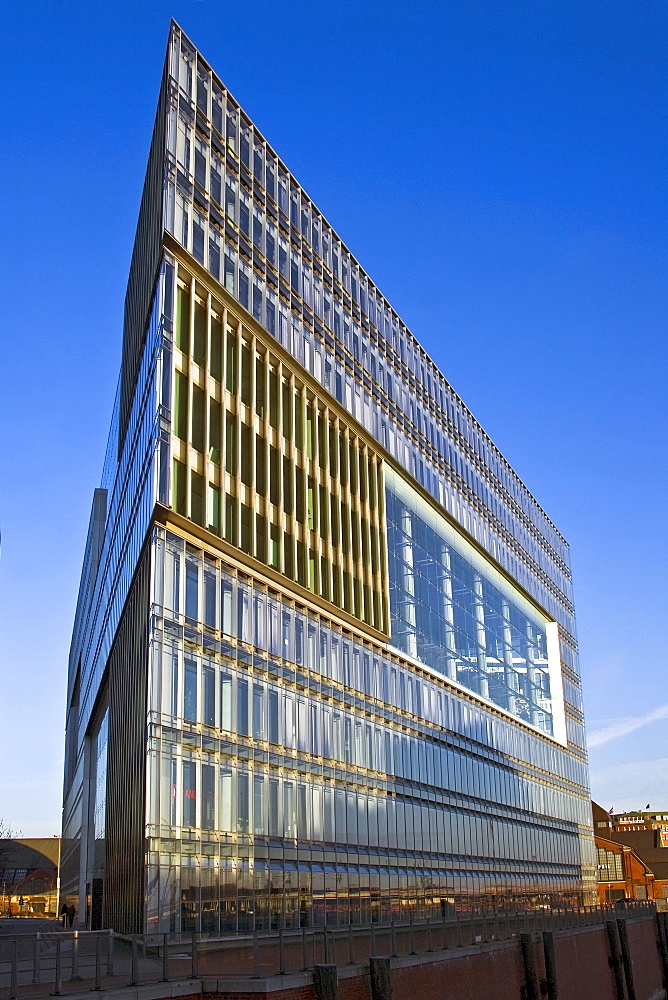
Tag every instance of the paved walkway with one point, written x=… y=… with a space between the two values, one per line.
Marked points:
x=36 y=963
x=10 y=926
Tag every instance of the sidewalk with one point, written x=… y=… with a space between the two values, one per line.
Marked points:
x=10 y=926
x=114 y=989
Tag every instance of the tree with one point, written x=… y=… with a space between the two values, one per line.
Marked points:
x=7 y=865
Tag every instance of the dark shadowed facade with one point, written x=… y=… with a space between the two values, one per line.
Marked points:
x=324 y=665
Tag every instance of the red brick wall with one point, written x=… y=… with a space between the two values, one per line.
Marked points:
x=583 y=972
x=492 y=975
x=497 y=973
x=358 y=988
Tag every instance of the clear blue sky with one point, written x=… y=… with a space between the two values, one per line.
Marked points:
x=500 y=171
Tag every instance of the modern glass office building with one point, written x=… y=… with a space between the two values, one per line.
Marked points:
x=323 y=666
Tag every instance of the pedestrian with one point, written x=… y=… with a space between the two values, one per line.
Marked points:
x=64 y=915
x=71 y=914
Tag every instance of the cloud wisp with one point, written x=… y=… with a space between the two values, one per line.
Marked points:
x=621 y=727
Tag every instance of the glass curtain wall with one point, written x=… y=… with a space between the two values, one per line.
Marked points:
x=280 y=743
x=265 y=463
x=234 y=206
x=447 y=612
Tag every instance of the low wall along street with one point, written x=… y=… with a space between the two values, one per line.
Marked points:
x=619 y=961
x=598 y=954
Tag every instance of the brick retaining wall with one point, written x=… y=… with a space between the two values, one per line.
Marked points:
x=494 y=971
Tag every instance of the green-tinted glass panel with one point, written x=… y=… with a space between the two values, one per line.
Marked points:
x=197 y=498
x=288 y=488
x=198 y=419
x=310 y=503
x=345 y=528
x=323 y=514
x=333 y=452
x=231 y=444
x=181 y=406
x=213 y=511
x=299 y=422
x=336 y=585
x=377 y=620
x=179 y=488
x=199 y=340
x=274 y=474
x=300 y=479
x=246 y=388
x=273 y=399
x=352 y=454
x=246 y=540
x=357 y=597
x=261 y=538
x=302 y=571
x=372 y=484
x=216 y=349
x=288 y=555
x=375 y=562
x=261 y=465
x=274 y=547
x=347 y=592
x=335 y=520
x=354 y=518
x=260 y=387
x=364 y=479
x=309 y=430
x=215 y=411
x=322 y=441
x=311 y=571
x=183 y=319
x=287 y=412
x=368 y=606
x=231 y=527
x=231 y=363
x=246 y=455
x=343 y=461
x=365 y=543
x=325 y=588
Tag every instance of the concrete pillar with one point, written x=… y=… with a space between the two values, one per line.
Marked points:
x=381 y=978
x=326 y=982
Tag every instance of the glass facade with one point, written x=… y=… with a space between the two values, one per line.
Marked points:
x=299 y=774
x=264 y=461
x=361 y=685
x=452 y=611
x=232 y=203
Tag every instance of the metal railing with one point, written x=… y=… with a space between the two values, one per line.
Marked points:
x=66 y=962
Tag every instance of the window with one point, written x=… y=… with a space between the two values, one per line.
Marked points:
x=208 y=797
x=209 y=696
x=189 y=794
x=192 y=589
x=190 y=691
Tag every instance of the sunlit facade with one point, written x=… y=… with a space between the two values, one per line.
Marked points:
x=324 y=664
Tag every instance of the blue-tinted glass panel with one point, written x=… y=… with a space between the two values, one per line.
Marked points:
x=447 y=613
x=190 y=691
